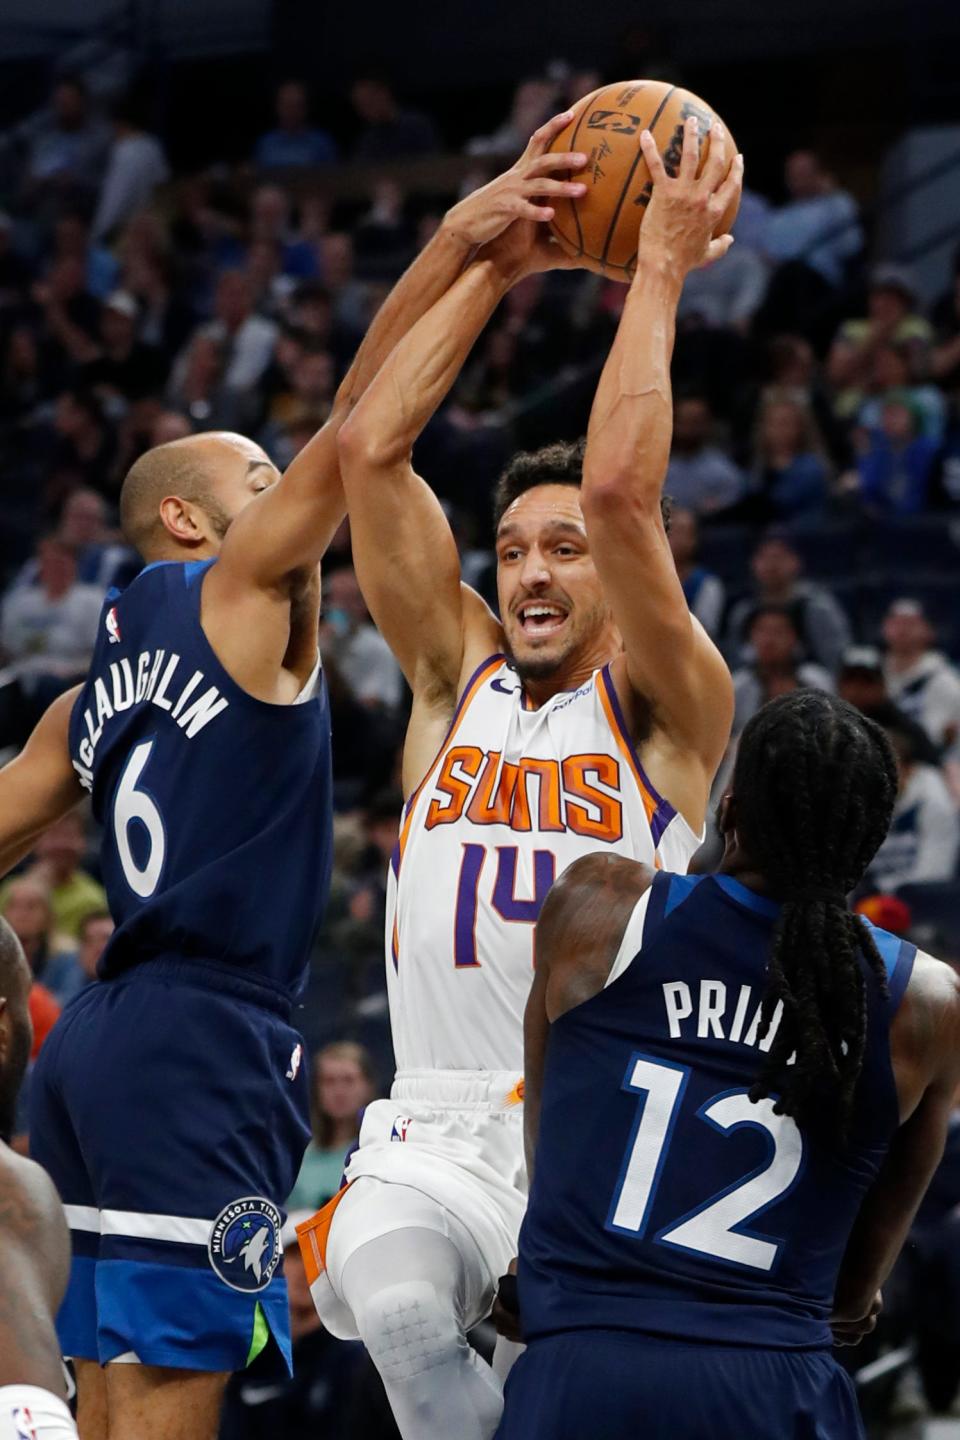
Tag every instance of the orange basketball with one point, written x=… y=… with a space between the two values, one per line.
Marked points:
x=601 y=229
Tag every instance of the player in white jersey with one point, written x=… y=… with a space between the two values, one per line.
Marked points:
x=593 y=717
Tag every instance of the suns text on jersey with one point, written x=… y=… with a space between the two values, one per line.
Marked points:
x=580 y=793
x=150 y=680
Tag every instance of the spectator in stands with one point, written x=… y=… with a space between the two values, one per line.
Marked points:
x=727 y=294
x=920 y=679
x=66 y=153
x=198 y=390
x=775 y=666
x=891 y=318
x=47 y=634
x=92 y=937
x=359 y=651
x=810 y=241
x=23 y=384
x=16 y=271
x=892 y=376
x=58 y=857
x=789 y=480
x=271 y=219
x=294 y=144
x=389 y=132
x=123 y=366
x=924 y=838
x=136 y=167
x=70 y=316
x=701 y=476
x=896 y=463
x=704 y=591
x=248 y=339
x=821 y=624
x=84 y=446
x=533 y=103
x=102 y=557
x=71 y=241
x=344 y=1083
x=27 y=909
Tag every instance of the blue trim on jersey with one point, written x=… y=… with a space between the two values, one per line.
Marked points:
x=681 y=887
x=761 y=904
x=898 y=956
x=741 y=1226
x=193 y=568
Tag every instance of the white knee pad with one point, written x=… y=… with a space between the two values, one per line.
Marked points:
x=29 y=1413
x=408 y=1330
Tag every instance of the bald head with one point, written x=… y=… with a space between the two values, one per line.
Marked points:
x=180 y=498
x=15 y=974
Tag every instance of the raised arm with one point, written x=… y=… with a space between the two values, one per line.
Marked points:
x=39 y=785
x=670 y=663
x=403 y=548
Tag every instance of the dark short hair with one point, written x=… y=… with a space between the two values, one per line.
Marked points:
x=558 y=464
x=91 y=918
x=784 y=612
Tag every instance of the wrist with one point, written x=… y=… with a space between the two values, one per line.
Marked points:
x=656 y=265
x=451 y=232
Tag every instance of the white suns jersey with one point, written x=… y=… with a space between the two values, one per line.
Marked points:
x=514 y=797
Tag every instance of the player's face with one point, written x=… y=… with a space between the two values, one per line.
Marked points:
x=551 y=602
x=241 y=471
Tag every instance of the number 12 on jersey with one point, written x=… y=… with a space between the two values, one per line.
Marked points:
x=711 y=1229
x=503 y=899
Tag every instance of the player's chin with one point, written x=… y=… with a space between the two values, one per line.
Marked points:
x=538 y=657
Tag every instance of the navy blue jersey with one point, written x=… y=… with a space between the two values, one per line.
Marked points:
x=663 y=1200
x=215 y=806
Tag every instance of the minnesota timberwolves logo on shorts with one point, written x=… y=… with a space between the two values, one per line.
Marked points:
x=244 y=1243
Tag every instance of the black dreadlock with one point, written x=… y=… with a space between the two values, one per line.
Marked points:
x=814 y=788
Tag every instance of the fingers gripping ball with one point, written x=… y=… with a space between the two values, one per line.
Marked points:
x=600 y=230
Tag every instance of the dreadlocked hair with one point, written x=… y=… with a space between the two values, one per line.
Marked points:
x=814 y=788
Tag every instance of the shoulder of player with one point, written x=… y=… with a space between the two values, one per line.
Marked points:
x=928 y=1020
x=582 y=923
x=30 y=1208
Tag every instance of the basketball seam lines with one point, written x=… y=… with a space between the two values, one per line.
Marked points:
x=626 y=184
x=573 y=147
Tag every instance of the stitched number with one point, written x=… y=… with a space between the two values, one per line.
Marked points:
x=504 y=898
x=133 y=807
x=715 y=1228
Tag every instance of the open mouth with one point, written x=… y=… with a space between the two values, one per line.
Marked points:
x=538 y=617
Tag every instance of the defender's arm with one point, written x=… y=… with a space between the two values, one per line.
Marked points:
x=404 y=551
x=39 y=785
x=576 y=941
x=926 y=1044
x=670 y=660
x=36 y=1247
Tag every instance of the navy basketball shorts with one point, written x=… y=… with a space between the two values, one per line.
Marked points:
x=170 y=1107
x=616 y=1385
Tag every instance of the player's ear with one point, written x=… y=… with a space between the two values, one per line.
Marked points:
x=183 y=520
x=726 y=815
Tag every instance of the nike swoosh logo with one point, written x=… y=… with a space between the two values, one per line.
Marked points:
x=504 y=689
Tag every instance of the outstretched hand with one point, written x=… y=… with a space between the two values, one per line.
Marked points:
x=523 y=192
x=685 y=209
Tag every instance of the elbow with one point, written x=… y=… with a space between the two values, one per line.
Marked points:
x=616 y=497
x=362 y=446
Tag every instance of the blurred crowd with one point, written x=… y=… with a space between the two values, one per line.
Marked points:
x=815 y=480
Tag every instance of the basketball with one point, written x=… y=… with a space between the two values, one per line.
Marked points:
x=600 y=229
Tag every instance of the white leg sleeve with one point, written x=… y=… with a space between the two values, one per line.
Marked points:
x=29 y=1413
x=407 y=1291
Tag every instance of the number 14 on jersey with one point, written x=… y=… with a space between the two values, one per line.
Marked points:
x=503 y=897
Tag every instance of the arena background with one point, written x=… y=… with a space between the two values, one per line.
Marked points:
x=161 y=273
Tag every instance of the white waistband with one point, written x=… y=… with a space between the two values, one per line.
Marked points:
x=460 y=1089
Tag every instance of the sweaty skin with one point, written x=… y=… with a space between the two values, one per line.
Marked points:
x=35 y=1244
